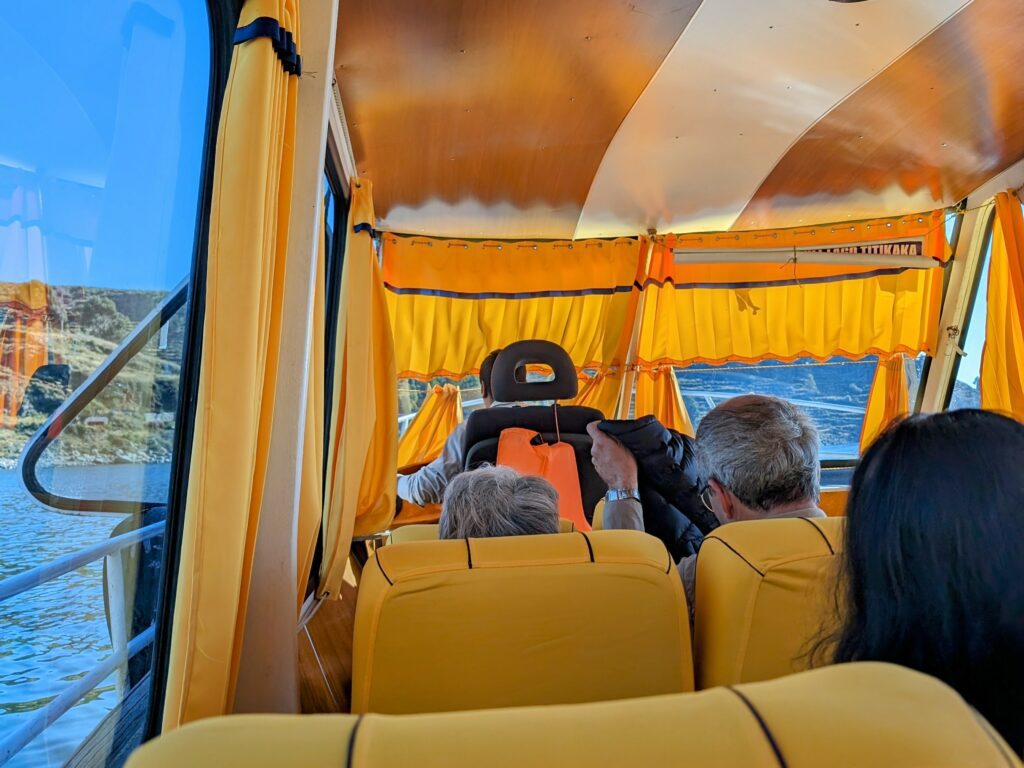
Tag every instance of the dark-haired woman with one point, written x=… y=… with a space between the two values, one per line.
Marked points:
x=933 y=566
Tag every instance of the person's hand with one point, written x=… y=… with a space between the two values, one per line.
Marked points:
x=612 y=460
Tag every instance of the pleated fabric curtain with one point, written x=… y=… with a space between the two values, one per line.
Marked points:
x=657 y=393
x=363 y=449
x=718 y=312
x=451 y=302
x=249 y=224
x=889 y=399
x=429 y=429
x=311 y=492
x=1002 y=360
x=600 y=391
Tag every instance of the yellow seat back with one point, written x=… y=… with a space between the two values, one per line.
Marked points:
x=469 y=624
x=846 y=716
x=763 y=591
x=428 y=531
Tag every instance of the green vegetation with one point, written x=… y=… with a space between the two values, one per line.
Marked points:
x=130 y=420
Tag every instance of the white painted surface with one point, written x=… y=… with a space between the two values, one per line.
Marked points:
x=744 y=81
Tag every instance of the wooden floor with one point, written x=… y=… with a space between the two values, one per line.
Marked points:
x=325 y=654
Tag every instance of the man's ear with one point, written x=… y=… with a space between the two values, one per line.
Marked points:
x=725 y=502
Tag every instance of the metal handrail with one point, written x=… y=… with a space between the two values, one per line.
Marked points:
x=47 y=715
x=26 y=580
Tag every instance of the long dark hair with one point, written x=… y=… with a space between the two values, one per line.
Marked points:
x=932 y=571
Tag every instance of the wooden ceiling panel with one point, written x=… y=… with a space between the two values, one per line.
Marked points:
x=936 y=124
x=489 y=117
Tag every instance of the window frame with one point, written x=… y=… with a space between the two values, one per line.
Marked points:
x=965 y=326
x=223 y=18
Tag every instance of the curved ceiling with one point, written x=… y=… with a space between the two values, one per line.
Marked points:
x=581 y=119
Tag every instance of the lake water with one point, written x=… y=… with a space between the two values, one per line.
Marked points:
x=55 y=633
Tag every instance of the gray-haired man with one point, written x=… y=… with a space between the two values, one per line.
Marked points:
x=757 y=457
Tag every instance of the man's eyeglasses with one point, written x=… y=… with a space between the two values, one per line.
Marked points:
x=705 y=496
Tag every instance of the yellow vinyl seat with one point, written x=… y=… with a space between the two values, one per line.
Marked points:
x=763 y=593
x=502 y=622
x=845 y=716
x=428 y=531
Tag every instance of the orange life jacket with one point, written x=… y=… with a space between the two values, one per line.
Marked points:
x=555 y=463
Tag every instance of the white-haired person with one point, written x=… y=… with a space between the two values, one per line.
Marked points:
x=757 y=457
x=497 y=501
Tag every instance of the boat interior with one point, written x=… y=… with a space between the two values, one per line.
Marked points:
x=633 y=202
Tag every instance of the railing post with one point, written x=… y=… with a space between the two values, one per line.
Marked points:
x=119 y=622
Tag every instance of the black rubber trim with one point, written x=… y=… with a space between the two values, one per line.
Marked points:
x=86 y=392
x=821 y=533
x=671 y=562
x=376 y=556
x=590 y=547
x=351 y=751
x=223 y=18
x=469 y=554
x=728 y=546
x=764 y=726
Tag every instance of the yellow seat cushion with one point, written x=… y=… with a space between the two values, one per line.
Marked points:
x=763 y=592
x=468 y=624
x=846 y=716
x=428 y=531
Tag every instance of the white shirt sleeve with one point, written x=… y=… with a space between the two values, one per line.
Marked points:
x=427 y=484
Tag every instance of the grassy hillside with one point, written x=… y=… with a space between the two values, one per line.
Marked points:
x=124 y=423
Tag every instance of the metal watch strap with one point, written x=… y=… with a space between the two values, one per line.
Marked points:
x=620 y=494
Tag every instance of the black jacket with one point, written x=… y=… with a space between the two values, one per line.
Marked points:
x=667 y=469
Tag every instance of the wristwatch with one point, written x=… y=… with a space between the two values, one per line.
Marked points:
x=619 y=494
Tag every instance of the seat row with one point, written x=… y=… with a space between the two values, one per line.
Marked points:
x=845 y=716
x=577 y=617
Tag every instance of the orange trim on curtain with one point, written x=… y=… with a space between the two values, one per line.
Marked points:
x=249 y=226
x=430 y=428
x=657 y=393
x=888 y=401
x=363 y=449
x=1002 y=359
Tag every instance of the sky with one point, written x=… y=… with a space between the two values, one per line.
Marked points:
x=100 y=165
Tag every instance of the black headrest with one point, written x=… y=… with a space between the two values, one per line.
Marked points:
x=506 y=389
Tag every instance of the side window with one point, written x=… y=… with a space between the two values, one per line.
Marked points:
x=966 y=384
x=101 y=157
x=834 y=393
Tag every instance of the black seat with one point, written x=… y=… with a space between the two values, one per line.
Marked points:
x=484 y=427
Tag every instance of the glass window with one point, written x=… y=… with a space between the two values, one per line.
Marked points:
x=966 y=385
x=101 y=150
x=834 y=393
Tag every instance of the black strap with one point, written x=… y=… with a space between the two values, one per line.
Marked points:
x=764 y=726
x=362 y=227
x=280 y=38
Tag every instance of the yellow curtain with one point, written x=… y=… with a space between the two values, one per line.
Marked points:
x=600 y=391
x=722 y=312
x=426 y=435
x=249 y=223
x=363 y=450
x=658 y=393
x=889 y=399
x=23 y=342
x=451 y=301
x=311 y=492
x=1002 y=360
